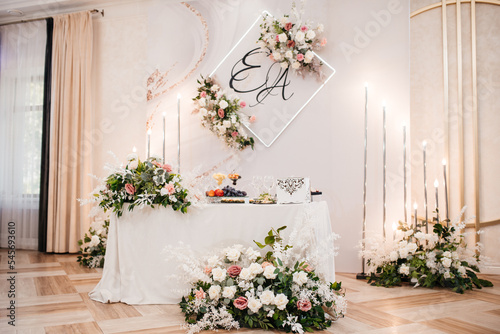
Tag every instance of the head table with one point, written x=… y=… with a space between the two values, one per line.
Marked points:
x=137 y=271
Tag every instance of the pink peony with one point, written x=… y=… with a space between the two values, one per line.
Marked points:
x=221 y=113
x=304 y=28
x=243 y=104
x=304 y=305
x=167 y=168
x=240 y=303
x=234 y=134
x=203 y=94
x=265 y=264
x=323 y=42
x=170 y=188
x=252 y=118
x=207 y=270
x=300 y=57
x=290 y=44
x=233 y=271
x=288 y=26
x=129 y=188
x=200 y=294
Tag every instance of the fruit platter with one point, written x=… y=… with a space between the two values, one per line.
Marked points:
x=226 y=194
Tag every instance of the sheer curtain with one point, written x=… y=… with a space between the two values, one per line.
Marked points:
x=22 y=60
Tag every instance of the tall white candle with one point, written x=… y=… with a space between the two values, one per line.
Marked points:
x=384 y=172
x=164 y=114
x=394 y=228
x=424 y=144
x=179 y=133
x=404 y=174
x=436 y=185
x=364 y=173
x=445 y=191
x=415 y=206
x=134 y=149
x=149 y=142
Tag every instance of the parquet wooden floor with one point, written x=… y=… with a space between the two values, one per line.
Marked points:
x=51 y=297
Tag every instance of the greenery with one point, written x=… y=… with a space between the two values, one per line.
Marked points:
x=93 y=245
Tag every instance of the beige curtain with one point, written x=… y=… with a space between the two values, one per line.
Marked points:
x=70 y=146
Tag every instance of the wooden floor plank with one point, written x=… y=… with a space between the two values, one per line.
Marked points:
x=81 y=328
x=53 y=285
x=455 y=326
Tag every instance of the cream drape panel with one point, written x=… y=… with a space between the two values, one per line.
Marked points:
x=70 y=146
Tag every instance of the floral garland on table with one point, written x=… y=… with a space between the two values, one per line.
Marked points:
x=240 y=288
x=221 y=114
x=291 y=41
x=93 y=245
x=440 y=258
x=140 y=184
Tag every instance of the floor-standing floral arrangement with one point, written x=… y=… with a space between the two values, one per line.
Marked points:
x=93 y=245
x=440 y=258
x=221 y=114
x=242 y=288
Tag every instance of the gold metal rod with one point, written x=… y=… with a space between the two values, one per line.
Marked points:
x=446 y=90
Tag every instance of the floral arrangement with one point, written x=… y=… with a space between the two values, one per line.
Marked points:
x=140 y=184
x=221 y=114
x=290 y=41
x=93 y=245
x=440 y=258
x=241 y=288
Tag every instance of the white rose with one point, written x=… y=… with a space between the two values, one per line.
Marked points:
x=132 y=165
x=284 y=65
x=203 y=111
x=97 y=225
x=254 y=305
x=163 y=191
x=280 y=301
x=223 y=104
x=233 y=254
x=446 y=262
x=461 y=270
x=454 y=256
x=214 y=292
x=229 y=292
x=412 y=247
x=447 y=275
x=202 y=102
x=233 y=118
x=289 y=54
x=308 y=56
x=320 y=28
x=215 y=88
x=310 y=34
x=404 y=269
x=94 y=241
x=420 y=236
x=213 y=261
x=219 y=274
x=226 y=124
x=172 y=198
x=299 y=36
x=284 y=20
x=295 y=65
x=393 y=255
x=252 y=254
x=267 y=297
x=132 y=156
x=300 y=277
x=283 y=37
x=246 y=274
x=447 y=254
x=255 y=269
x=269 y=272
x=277 y=56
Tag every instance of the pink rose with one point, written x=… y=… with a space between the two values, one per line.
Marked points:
x=300 y=57
x=290 y=44
x=307 y=267
x=288 y=26
x=130 y=189
x=240 y=303
x=156 y=163
x=252 y=118
x=265 y=264
x=271 y=57
x=203 y=94
x=200 y=294
x=304 y=305
x=233 y=271
x=323 y=42
x=207 y=270
x=221 y=113
x=170 y=188
x=167 y=168
x=304 y=28
x=234 y=134
x=243 y=104
x=277 y=38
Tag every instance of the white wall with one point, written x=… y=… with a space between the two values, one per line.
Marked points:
x=325 y=142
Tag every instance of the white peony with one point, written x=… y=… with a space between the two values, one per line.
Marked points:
x=229 y=292
x=202 y=102
x=446 y=262
x=254 y=305
x=255 y=269
x=233 y=254
x=276 y=56
x=308 y=56
x=280 y=301
x=283 y=37
x=246 y=274
x=404 y=269
x=223 y=104
x=214 y=292
x=299 y=36
x=94 y=241
x=295 y=65
x=213 y=261
x=269 y=272
x=300 y=277
x=267 y=297
x=393 y=255
x=310 y=34
x=219 y=274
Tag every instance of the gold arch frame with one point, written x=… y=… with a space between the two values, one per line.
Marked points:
x=475 y=131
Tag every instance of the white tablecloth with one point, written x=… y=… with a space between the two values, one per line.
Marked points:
x=136 y=271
